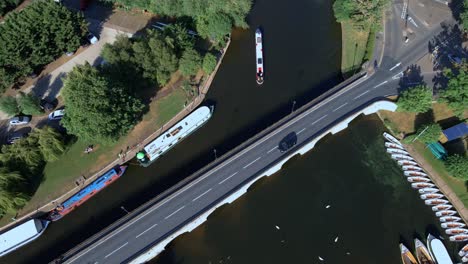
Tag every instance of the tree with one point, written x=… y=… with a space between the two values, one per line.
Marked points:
x=457 y=166
x=98 y=109
x=50 y=143
x=464 y=15
x=429 y=133
x=416 y=99
x=24 y=153
x=190 y=62
x=9 y=105
x=209 y=63
x=456 y=92
x=363 y=13
x=176 y=36
x=7 y=5
x=11 y=198
x=29 y=104
x=214 y=26
x=35 y=36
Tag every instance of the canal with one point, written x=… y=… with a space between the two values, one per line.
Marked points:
x=302 y=49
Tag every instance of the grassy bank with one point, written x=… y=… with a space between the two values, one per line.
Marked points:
x=357 y=47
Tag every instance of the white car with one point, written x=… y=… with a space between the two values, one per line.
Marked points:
x=92 y=39
x=57 y=114
x=19 y=120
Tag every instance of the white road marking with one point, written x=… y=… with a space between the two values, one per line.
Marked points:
x=221 y=182
x=300 y=131
x=412 y=21
x=146 y=230
x=272 y=149
x=255 y=144
x=116 y=250
x=396 y=65
x=201 y=195
x=339 y=107
x=380 y=84
x=403 y=11
x=313 y=123
x=174 y=212
x=361 y=94
x=251 y=162
x=398 y=75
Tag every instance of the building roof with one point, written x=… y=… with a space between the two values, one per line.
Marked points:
x=456 y=131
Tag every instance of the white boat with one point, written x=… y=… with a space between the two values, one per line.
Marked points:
x=428 y=190
x=452 y=225
x=463 y=251
x=450 y=218
x=397 y=151
x=414 y=173
x=435 y=201
x=456 y=231
x=445 y=213
x=465 y=259
x=418 y=179
x=411 y=167
x=441 y=207
x=391 y=138
x=420 y=185
x=459 y=238
x=401 y=157
x=437 y=250
x=21 y=235
x=393 y=145
x=259 y=55
x=431 y=196
x=407 y=162
x=174 y=135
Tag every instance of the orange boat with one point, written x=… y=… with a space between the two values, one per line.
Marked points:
x=422 y=254
x=406 y=255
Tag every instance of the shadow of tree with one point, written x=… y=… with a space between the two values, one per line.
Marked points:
x=424 y=118
x=412 y=76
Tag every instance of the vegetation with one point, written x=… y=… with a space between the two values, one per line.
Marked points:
x=363 y=14
x=98 y=109
x=456 y=92
x=416 y=99
x=212 y=19
x=29 y=104
x=10 y=198
x=457 y=166
x=429 y=133
x=7 y=5
x=36 y=36
x=464 y=15
x=209 y=63
x=190 y=62
x=9 y=105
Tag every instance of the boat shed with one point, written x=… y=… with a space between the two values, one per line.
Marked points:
x=456 y=131
x=21 y=235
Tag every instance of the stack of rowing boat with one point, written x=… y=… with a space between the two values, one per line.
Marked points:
x=429 y=193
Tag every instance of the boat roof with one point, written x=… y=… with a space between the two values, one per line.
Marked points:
x=95 y=185
x=440 y=252
x=177 y=132
x=20 y=234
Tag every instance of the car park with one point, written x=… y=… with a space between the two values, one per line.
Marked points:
x=57 y=114
x=19 y=120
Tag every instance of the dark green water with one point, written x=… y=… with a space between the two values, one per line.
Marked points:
x=373 y=209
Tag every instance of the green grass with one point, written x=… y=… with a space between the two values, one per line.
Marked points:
x=369 y=52
x=354 y=45
x=458 y=186
x=169 y=106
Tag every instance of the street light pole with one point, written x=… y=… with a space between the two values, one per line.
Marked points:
x=294 y=104
x=125 y=210
x=420 y=134
x=216 y=156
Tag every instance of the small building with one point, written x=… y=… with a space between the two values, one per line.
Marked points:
x=452 y=133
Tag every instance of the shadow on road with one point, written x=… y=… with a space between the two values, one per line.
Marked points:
x=412 y=76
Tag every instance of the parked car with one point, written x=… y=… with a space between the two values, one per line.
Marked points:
x=91 y=38
x=454 y=59
x=19 y=120
x=287 y=142
x=57 y=114
x=47 y=106
x=15 y=136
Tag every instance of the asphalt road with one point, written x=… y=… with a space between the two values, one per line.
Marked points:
x=162 y=219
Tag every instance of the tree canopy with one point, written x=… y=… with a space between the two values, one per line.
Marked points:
x=431 y=133
x=7 y=5
x=464 y=15
x=35 y=36
x=457 y=166
x=11 y=196
x=363 y=13
x=98 y=109
x=29 y=104
x=190 y=62
x=209 y=63
x=9 y=105
x=456 y=92
x=416 y=99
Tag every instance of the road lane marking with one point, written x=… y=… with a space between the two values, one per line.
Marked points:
x=201 y=195
x=339 y=107
x=313 y=123
x=361 y=94
x=398 y=75
x=300 y=131
x=380 y=84
x=146 y=230
x=156 y=206
x=174 y=212
x=396 y=65
x=221 y=182
x=251 y=162
x=272 y=149
x=116 y=250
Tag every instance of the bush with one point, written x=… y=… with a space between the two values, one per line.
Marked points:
x=9 y=105
x=457 y=166
x=29 y=104
x=429 y=133
x=209 y=63
x=416 y=99
x=190 y=62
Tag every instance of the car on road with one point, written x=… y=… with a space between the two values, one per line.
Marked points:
x=287 y=142
x=91 y=38
x=19 y=120
x=57 y=114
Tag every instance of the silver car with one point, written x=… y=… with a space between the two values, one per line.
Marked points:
x=19 y=120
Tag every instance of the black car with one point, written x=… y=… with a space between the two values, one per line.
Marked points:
x=16 y=136
x=287 y=142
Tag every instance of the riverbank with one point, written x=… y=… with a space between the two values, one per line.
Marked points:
x=164 y=113
x=357 y=47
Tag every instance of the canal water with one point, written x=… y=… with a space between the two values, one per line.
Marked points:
x=372 y=208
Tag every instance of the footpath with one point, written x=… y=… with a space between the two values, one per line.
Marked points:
x=129 y=154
